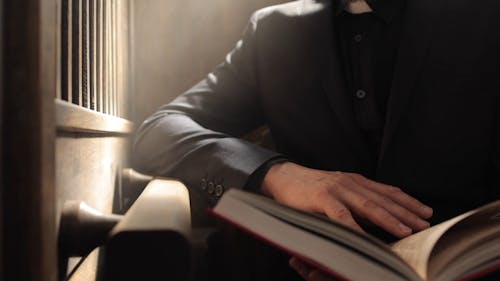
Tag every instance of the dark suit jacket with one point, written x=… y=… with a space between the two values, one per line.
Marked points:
x=441 y=141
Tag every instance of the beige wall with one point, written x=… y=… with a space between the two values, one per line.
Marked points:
x=177 y=42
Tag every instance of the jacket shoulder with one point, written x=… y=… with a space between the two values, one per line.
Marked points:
x=291 y=10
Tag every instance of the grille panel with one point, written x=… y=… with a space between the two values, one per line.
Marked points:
x=94 y=54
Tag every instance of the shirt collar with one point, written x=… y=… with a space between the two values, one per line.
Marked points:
x=384 y=9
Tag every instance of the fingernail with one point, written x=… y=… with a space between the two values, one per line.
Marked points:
x=424 y=225
x=404 y=229
x=427 y=211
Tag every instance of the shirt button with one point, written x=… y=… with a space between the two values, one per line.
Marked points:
x=360 y=94
x=210 y=188
x=203 y=184
x=219 y=189
x=358 y=38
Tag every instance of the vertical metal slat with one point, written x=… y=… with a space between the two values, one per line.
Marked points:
x=100 y=81
x=120 y=24
x=76 y=50
x=113 y=56
x=85 y=53
x=65 y=49
x=92 y=53
x=105 y=56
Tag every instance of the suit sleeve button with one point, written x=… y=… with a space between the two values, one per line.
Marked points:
x=210 y=188
x=219 y=190
x=203 y=184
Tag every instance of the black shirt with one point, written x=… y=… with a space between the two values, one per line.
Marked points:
x=368 y=50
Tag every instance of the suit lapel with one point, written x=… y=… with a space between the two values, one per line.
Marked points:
x=421 y=16
x=334 y=83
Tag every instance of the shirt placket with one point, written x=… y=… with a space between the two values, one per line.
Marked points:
x=365 y=107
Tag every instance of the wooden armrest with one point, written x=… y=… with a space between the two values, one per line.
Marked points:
x=152 y=241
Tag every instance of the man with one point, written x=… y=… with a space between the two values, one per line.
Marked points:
x=370 y=105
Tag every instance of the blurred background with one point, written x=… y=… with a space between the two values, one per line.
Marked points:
x=76 y=78
x=176 y=43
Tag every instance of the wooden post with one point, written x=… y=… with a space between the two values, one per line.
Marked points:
x=1 y=142
x=30 y=86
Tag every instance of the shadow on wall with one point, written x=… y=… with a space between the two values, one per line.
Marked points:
x=177 y=42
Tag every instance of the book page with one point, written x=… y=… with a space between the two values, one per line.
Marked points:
x=416 y=249
x=483 y=258
x=465 y=237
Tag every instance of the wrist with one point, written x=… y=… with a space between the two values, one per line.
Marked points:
x=271 y=178
x=254 y=181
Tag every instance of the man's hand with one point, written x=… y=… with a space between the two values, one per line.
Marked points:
x=307 y=272
x=343 y=196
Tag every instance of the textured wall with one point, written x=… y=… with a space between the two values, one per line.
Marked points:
x=176 y=43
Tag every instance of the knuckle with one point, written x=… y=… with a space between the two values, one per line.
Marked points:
x=369 y=204
x=409 y=215
x=394 y=190
x=342 y=214
x=338 y=176
x=386 y=201
x=338 y=173
x=334 y=185
x=340 y=180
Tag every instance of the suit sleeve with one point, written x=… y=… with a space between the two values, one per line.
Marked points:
x=195 y=137
x=495 y=192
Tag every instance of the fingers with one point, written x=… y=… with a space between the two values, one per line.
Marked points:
x=396 y=195
x=339 y=213
x=343 y=195
x=365 y=201
x=307 y=272
x=317 y=275
x=378 y=215
x=302 y=269
x=405 y=216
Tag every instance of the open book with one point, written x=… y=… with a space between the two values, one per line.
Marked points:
x=461 y=248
